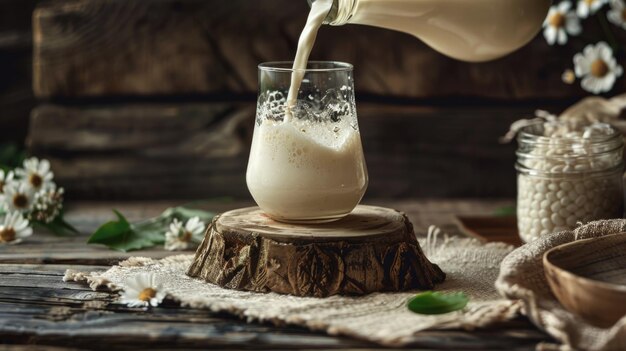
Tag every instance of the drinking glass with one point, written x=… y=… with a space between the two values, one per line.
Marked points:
x=306 y=161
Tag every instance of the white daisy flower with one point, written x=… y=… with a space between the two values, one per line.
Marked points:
x=14 y=228
x=617 y=13
x=597 y=68
x=589 y=7
x=36 y=173
x=142 y=290
x=17 y=196
x=5 y=178
x=179 y=236
x=47 y=204
x=559 y=23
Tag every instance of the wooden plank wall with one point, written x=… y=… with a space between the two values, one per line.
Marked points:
x=195 y=150
x=16 y=96
x=117 y=47
x=163 y=92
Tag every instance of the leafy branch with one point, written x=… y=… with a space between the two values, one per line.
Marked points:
x=124 y=236
x=11 y=156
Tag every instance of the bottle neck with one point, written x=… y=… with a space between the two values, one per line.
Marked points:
x=340 y=12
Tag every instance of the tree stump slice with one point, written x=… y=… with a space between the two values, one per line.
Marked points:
x=372 y=249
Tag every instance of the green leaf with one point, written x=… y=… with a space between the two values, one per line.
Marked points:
x=430 y=302
x=65 y=225
x=58 y=227
x=123 y=236
x=183 y=214
x=120 y=235
x=155 y=231
x=11 y=156
x=504 y=211
x=110 y=230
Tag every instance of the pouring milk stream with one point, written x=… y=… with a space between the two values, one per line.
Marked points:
x=306 y=172
x=468 y=30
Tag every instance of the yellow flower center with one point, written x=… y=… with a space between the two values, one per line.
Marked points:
x=589 y=2
x=20 y=201
x=7 y=235
x=147 y=294
x=624 y=14
x=599 y=68
x=557 y=20
x=186 y=237
x=35 y=180
x=569 y=77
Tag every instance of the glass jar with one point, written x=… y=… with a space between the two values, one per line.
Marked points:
x=306 y=161
x=566 y=177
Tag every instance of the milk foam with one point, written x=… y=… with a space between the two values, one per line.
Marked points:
x=303 y=170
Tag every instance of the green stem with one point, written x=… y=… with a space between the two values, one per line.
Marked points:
x=607 y=31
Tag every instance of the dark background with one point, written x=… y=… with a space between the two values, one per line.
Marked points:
x=155 y=99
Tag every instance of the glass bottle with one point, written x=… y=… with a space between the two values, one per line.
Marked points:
x=468 y=30
x=567 y=177
x=306 y=162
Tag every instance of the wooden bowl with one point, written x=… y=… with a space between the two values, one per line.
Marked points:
x=588 y=277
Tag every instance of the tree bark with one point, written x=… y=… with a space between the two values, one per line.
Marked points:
x=372 y=249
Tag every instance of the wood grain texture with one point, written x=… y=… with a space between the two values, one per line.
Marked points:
x=491 y=228
x=201 y=150
x=372 y=249
x=112 y=47
x=589 y=277
x=16 y=96
x=40 y=312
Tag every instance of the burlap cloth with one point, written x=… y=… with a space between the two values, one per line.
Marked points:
x=471 y=267
x=522 y=277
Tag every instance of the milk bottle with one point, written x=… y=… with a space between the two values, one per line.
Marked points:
x=468 y=30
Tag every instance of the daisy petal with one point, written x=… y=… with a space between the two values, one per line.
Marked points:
x=589 y=84
x=607 y=82
x=562 y=37
x=564 y=6
x=550 y=34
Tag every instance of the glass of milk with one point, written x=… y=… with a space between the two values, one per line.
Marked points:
x=306 y=161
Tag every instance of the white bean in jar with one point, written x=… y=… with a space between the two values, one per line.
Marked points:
x=567 y=176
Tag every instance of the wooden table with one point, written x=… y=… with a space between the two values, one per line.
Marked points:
x=38 y=308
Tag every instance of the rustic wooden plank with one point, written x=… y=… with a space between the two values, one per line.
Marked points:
x=109 y=47
x=489 y=228
x=45 y=248
x=16 y=96
x=47 y=313
x=37 y=308
x=30 y=347
x=147 y=128
x=201 y=150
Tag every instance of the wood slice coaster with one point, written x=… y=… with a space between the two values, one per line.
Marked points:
x=371 y=249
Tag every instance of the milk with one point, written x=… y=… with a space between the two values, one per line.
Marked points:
x=301 y=169
x=319 y=11
x=306 y=172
